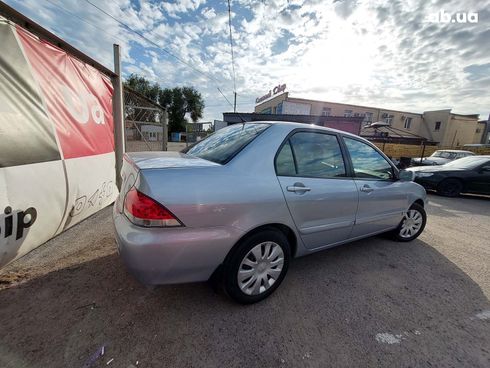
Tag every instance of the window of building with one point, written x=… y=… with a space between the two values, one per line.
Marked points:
x=317 y=155
x=368 y=117
x=266 y=111
x=347 y=113
x=326 y=111
x=367 y=162
x=438 y=125
x=274 y=109
x=478 y=130
x=408 y=123
x=388 y=118
x=279 y=108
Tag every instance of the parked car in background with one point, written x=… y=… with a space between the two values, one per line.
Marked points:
x=466 y=175
x=441 y=157
x=244 y=201
x=477 y=145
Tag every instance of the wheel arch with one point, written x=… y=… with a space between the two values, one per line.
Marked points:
x=284 y=229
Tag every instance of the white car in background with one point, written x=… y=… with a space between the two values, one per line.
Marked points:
x=441 y=157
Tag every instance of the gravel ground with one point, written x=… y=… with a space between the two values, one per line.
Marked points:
x=371 y=303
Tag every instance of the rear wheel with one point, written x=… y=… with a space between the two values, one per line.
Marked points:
x=257 y=266
x=450 y=188
x=412 y=225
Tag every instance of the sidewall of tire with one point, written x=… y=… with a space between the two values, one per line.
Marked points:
x=419 y=208
x=440 y=189
x=235 y=258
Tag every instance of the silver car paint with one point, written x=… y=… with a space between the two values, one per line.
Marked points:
x=219 y=204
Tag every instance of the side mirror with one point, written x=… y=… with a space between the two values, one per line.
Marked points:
x=406 y=175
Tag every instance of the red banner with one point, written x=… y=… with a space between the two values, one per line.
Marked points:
x=78 y=98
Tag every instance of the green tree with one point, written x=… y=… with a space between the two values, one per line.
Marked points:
x=180 y=101
x=143 y=86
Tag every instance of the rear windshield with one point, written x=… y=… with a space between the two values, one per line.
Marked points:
x=221 y=146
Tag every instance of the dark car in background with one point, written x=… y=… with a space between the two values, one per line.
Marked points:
x=465 y=175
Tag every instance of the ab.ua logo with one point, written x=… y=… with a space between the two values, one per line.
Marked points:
x=446 y=17
x=83 y=107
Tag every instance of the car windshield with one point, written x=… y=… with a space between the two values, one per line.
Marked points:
x=467 y=162
x=444 y=154
x=221 y=146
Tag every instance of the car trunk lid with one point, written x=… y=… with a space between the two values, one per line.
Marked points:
x=135 y=161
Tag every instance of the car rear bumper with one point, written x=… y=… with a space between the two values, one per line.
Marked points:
x=172 y=255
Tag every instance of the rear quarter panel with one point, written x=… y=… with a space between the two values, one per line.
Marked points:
x=243 y=194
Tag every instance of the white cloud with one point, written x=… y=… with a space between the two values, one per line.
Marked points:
x=378 y=52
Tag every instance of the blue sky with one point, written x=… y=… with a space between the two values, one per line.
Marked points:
x=379 y=52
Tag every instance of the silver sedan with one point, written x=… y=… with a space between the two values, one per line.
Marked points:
x=237 y=206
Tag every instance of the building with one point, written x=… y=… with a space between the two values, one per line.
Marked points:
x=442 y=127
x=484 y=129
x=348 y=124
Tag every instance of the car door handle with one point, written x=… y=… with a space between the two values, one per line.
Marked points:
x=366 y=189
x=297 y=188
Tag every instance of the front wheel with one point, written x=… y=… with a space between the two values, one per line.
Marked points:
x=450 y=188
x=257 y=266
x=412 y=225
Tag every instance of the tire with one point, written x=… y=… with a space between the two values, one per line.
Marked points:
x=256 y=266
x=450 y=188
x=417 y=219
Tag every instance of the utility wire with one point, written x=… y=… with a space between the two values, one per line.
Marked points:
x=155 y=44
x=231 y=47
x=224 y=96
x=66 y=11
x=128 y=28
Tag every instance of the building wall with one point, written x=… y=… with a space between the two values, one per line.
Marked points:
x=480 y=132
x=453 y=129
x=296 y=108
x=461 y=130
x=431 y=118
x=270 y=106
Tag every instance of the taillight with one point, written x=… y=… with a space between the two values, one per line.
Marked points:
x=144 y=211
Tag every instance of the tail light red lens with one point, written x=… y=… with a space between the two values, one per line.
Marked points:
x=145 y=211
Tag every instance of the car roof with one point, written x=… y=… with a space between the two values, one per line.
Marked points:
x=302 y=126
x=456 y=151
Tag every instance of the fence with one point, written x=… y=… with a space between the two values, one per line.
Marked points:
x=145 y=123
x=407 y=150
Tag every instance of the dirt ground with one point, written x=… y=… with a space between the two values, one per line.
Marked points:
x=373 y=303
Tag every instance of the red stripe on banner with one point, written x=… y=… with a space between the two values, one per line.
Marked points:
x=78 y=98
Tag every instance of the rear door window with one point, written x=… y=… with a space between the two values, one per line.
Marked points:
x=311 y=154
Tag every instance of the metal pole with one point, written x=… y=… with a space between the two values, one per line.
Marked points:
x=118 y=106
x=423 y=151
x=234 y=103
x=164 y=121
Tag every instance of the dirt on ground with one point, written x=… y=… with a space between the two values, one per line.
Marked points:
x=373 y=303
